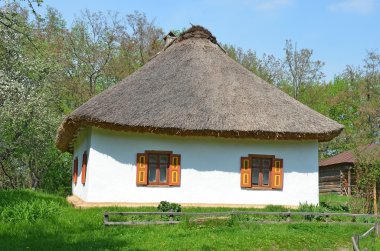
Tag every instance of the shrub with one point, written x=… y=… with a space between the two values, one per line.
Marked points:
x=166 y=206
x=359 y=205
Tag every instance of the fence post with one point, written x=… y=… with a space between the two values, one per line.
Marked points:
x=377 y=229
x=171 y=216
x=288 y=218
x=355 y=239
x=106 y=218
x=327 y=219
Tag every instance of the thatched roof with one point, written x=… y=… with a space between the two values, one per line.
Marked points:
x=193 y=87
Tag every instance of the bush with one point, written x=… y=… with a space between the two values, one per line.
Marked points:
x=166 y=206
x=29 y=211
x=359 y=205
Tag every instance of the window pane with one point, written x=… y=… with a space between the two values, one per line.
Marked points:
x=267 y=163
x=152 y=158
x=164 y=159
x=255 y=176
x=163 y=169
x=152 y=172
x=255 y=163
x=265 y=176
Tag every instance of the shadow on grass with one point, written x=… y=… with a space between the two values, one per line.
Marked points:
x=53 y=241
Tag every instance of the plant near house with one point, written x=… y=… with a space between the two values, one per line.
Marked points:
x=166 y=206
x=368 y=173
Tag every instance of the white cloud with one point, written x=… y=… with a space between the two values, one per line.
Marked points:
x=272 y=4
x=358 y=6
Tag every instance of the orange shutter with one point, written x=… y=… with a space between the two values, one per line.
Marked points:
x=277 y=174
x=141 y=170
x=245 y=172
x=84 y=168
x=75 y=173
x=175 y=170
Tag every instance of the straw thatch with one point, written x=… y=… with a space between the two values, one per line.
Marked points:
x=194 y=88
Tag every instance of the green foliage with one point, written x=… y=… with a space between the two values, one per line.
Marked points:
x=166 y=206
x=30 y=211
x=24 y=206
x=48 y=71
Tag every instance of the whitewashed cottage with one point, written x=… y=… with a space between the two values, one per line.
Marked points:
x=194 y=127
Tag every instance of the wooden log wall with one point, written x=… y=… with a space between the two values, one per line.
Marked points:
x=330 y=179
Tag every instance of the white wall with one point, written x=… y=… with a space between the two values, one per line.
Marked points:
x=210 y=169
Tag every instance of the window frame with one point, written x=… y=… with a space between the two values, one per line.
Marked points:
x=157 y=181
x=84 y=168
x=158 y=153
x=260 y=186
x=173 y=177
x=75 y=171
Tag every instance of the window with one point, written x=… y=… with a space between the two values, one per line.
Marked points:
x=84 y=168
x=75 y=171
x=261 y=172
x=158 y=168
x=158 y=165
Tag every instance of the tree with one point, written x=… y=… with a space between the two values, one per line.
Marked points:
x=102 y=52
x=301 y=70
x=371 y=91
x=268 y=67
x=28 y=111
x=271 y=69
x=46 y=75
x=9 y=18
x=92 y=43
x=145 y=35
x=27 y=130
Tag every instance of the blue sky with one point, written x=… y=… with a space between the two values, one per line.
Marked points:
x=339 y=31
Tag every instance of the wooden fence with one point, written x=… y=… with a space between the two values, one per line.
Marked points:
x=356 y=238
x=173 y=217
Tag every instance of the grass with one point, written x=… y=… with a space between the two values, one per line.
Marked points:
x=334 y=202
x=370 y=242
x=334 y=199
x=82 y=229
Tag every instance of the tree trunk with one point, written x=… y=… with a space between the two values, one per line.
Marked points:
x=374 y=199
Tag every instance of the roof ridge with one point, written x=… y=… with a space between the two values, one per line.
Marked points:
x=197 y=31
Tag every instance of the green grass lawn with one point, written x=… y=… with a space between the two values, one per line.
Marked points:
x=38 y=221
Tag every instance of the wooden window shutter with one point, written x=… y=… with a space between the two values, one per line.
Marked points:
x=277 y=174
x=245 y=172
x=75 y=171
x=175 y=170
x=142 y=170
x=84 y=167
